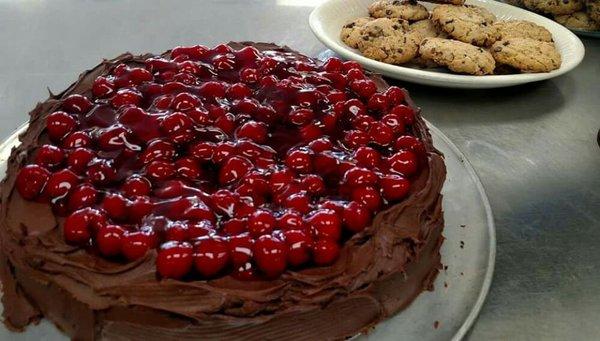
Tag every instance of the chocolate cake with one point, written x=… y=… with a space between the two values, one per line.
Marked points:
x=239 y=192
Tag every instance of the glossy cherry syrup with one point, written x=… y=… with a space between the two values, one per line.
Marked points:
x=225 y=161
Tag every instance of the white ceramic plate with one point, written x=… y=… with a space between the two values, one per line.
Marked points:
x=327 y=19
x=468 y=252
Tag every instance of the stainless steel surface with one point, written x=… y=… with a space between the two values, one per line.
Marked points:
x=468 y=255
x=534 y=147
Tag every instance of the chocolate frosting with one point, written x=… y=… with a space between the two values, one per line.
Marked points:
x=380 y=270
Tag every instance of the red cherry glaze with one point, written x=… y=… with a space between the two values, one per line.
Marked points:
x=407 y=113
x=367 y=196
x=381 y=134
x=378 y=102
x=367 y=157
x=109 y=239
x=299 y=202
x=79 y=159
x=135 y=245
x=101 y=172
x=299 y=160
x=76 y=229
x=136 y=185
x=241 y=248
x=49 y=156
x=325 y=223
x=394 y=187
x=59 y=124
x=357 y=176
x=115 y=206
x=356 y=138
x=174 y=259
x=325 y=252
x=395 y=122
x=291 y=220
x=103 y=87
x=31 y=180
x=234 y=169
x=301 y=116
x=125 y=97
x=313 y=184
x=365 y=88
x=60 y=183
x=211 y=256
x=299 y=243
x=270 y=255
x=356 y=216
x=84 y=195
x=249 y=76
x=403 y=162
x=76 y=104
x=395 y=95
x=255 y=131
x=261 y=222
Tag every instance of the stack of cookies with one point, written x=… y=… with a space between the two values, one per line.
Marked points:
x=463 y=38
x=583 y=15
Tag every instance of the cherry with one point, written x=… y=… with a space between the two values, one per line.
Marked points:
x=325 y=252
x=174 y=259
x=195 y=51
x=185 y=101
x=395 y=122
x=325 y=163
x=249 y=75
x=336 y=96
x=320 y=145
x=310 y=132
x=411 y=143
x=188 y=168
x=234 y=226
x=113 y=138
x=261 y=222
x=395 y=95
x=238 y=91
x=101 y=171
x=49 y=156
x=234 y=169
x=355 y=107
x=135 y=245
x=255 y=131
x=355 y=74
x=77 y=104
x=279 y=179
x=76 y=229
x=356 y=216
x=109 y=240
x=291 y=220
x=160 y=170
x=298 y=201
x=367 y=196
x=139 y=207
x=139 y=75
x=357 y=176
x=313 y=183
x=403 y=162
x=158 y=149
x=241 y=248
x=367 y=157
x=102 y=87
x=298 y=243
x=59 y=124
x=407 y=113
x=200 y=228
x=333 y=64
x=115 y=206
x=211 y=256
x=125 y=97
x=84 y=195
x=356 y=138
x=178 y=127
x=325 y=223
x=60 y=183
x=394 y=187
x=77 y=139
x=301 y=116
x=378 y=102
x=352 y=65
x=79 y=159
x=365 y=88
x=224 y=201
x=31 y=180
x=299 y=160
x=257 y=181
x=270 y=255
x=136 y=185
x=202 y=150
x=212 y=90
x=176 y=231
x=363 y=122
x=226 y=123
x=381 y=134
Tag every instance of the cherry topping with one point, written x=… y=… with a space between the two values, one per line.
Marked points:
x=77 y=139
x=407 y=113
x=76 y=228
x=102 y=87
x=174 y=259
x=84 y=195
x=234 y=169
x=299 y=160
x=76 y=104
x=325 y=224
x=125 y=97
x=241 y=248
x=60 y=183
x=403 y=162
x=49 y=156
x=101 y=171
x=299 y=243
x=270 y=255
x=356 y=216
x=109 y=239
x=136 y=185
x=367 y=157
x=394 y=187
x=79 y=159
x=211 y=255
x=357 y=176
x=261 y=222
x=325 y=252
x=59 y=124
x=31 y=180
x=255 y=131
x=135 y=245
x=115 y=206
x=368 y=196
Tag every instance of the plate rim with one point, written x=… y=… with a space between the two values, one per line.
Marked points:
x=449 y=79
x=491 y=228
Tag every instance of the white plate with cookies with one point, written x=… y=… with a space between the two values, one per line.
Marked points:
x=460 y=46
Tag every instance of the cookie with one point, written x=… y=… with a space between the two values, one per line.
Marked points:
x=457 y=56
x=465 y=23
x=487 y=15
x=427 y=29
x=449 y=2
x=593 y=9
x=397 y=48
x=555 y=7
x=406 y=10
x=522 y=29
x=382 y=27
x=578 y=21
x=527 y=55
x=518 y=3
x=350 y=34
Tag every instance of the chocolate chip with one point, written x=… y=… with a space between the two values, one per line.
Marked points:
x=389 y=12
x=497 y=49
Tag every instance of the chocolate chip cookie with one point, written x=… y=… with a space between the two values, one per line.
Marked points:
x=522 y=29
x=427 y=29
x=457 y=56
x=578 y=21
x=555 y=7
x=397 y=48
x=593 y=9
x=527 y=55
x=465 y=23
x=406 y=10
x=350 y=34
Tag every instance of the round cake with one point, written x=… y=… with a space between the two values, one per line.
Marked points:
x=243 y=191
